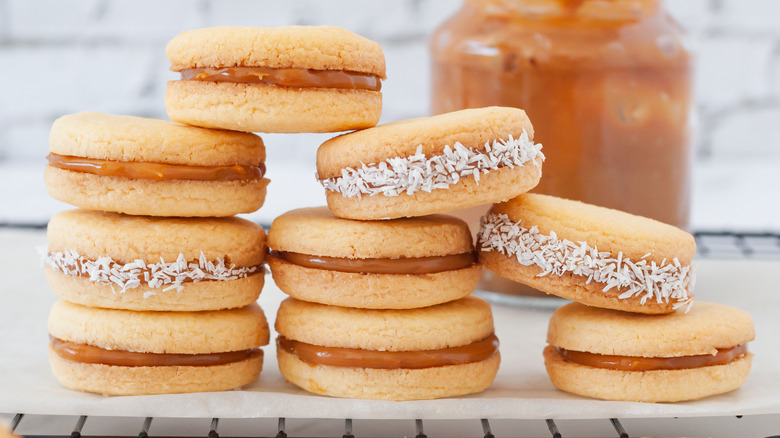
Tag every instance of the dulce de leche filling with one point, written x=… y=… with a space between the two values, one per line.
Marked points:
x=84 y=353
x=390 y=360
x=286 y=77
x=413 y=266
x=156 y=171
x=632 y=363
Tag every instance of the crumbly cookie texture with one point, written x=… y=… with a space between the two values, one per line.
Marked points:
x=408 y=175
x=316 y=231
x=664 y=282
x=161 y=275
x=314 y=47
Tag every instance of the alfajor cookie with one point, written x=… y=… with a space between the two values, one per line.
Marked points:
x=594 y=255
x=280 y=79
x=153 y=167
x=394 y=264
x=118 y=261
x=615 y=355
x=122 y=352
x=440 y=351
x=431 y=164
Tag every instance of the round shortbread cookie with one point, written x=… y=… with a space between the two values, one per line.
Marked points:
x=153 y=167
x=160 y=332
x=120 y=380
x=646 y=386
x=100 y=259
x=382 y=384
x=452 y=324
x=594 y=255
x=428 y=165
x=316 y=232
x=701 y=332
x=264 y=107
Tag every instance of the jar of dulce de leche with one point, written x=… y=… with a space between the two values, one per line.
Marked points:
x=606 y=84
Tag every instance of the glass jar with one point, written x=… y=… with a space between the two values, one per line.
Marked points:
x=606 y=84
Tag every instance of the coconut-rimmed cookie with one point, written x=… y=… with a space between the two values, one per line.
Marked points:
x=593 y=255
x=439 y=351
x=152 y=167
x=431 y=164
x=278 y=79
x=394 y=264
x=119 y=261
x=123 y=352
x=615 y=355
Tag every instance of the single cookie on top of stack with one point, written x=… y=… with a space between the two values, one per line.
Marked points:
x=381 y=308
x=158 y=303
x=275 y=79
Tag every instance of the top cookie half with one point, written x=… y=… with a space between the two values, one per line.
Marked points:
x=281 y=79
x=431 y=164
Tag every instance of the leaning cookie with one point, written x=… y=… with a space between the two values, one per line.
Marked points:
x=118 y=261
x=615 y=355
x=440 y=351
x=430 y=165
x=122 y=352
x=395 y=264
x=281 y=79
x=154 y=167
x=593 y=255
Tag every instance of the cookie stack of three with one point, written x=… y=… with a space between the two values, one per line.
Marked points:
x=380 y=282
x=158 y=281
x=633 y=333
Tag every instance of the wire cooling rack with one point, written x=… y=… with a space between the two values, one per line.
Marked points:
x=710 y=244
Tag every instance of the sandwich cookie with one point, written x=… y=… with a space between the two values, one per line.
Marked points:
x=394 y=264
x=615 y=355
x=118 y=261
x=122 y=352
x=594 y=255
x=281 y=79
x=431 y=164
x=153 y=167
x=440 y=351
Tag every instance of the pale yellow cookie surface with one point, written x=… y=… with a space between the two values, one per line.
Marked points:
x=316 y=231
x=446 y=325
x=160 y=332
x=704 y=329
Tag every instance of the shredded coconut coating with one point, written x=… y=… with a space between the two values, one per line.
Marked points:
x=409 y=175
x=163 y=275
x=662 y=283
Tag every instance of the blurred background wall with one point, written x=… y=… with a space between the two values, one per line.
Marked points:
x=65 y=56
x=58 y=57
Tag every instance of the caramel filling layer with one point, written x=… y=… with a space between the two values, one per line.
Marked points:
x=156 y=171
x=630 y=363
x=413 y=266
x=286 y=77
x=390 y=360
x=90 y=354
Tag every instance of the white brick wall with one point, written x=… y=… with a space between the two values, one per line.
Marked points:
x=59 y=56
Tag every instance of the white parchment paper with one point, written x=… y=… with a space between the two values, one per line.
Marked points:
x=521 y=389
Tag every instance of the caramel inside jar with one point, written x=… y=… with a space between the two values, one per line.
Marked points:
x=286 y=77
x=156 y=171
x=355 y=358
x=633 y=363
x=411 y=266
x=85 y=353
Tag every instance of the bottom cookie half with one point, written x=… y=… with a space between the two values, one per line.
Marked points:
x=646 y=386
x=392 y=384
x=119 y=380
